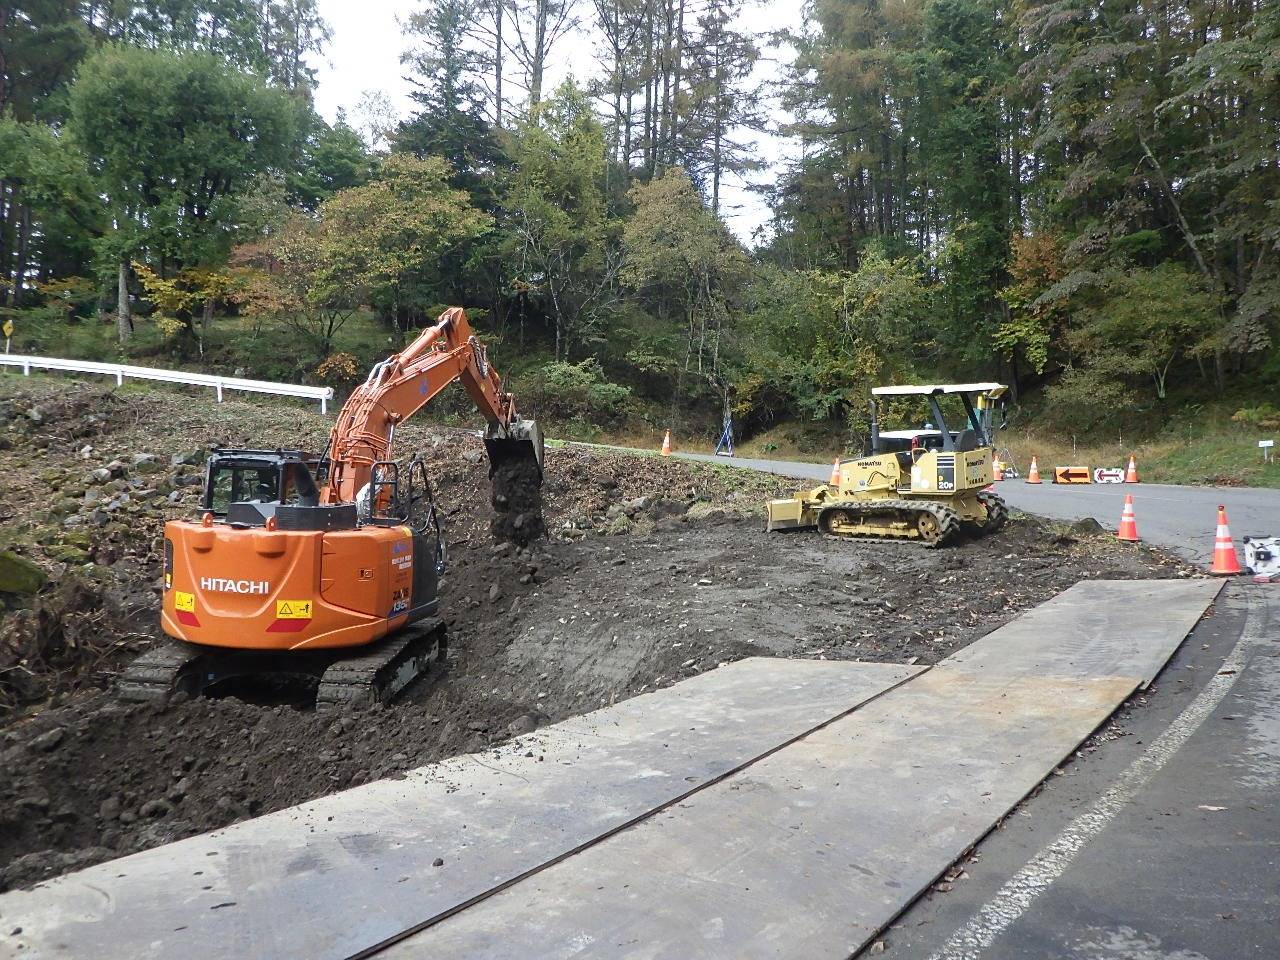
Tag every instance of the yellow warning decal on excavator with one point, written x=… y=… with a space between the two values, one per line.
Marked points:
x=293 y=609
x=186 y=602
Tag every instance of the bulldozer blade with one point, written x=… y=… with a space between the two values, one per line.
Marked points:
x=790 y=513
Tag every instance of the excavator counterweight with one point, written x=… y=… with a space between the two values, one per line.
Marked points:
x=327 y=566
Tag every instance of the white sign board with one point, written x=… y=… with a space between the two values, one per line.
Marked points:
x=1262 y=555
x=1108 y=475
x=1266 y=443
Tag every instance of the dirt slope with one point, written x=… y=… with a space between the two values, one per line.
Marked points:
x=654 y=570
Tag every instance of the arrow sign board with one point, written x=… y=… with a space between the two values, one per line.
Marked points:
x=1108 y=475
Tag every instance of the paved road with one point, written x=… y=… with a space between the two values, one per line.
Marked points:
x=1164 y=842
x=1179 y=518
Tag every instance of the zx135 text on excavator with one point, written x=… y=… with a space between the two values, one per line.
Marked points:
x=328 y=565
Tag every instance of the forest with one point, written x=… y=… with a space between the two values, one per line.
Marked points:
x=1077 y=197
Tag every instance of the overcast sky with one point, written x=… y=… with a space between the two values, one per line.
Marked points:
x=364 y=55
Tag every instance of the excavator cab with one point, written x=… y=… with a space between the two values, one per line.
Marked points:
x=259 y=476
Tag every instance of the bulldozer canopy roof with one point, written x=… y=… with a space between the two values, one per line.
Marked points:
x=932 y=389
x=908 y=434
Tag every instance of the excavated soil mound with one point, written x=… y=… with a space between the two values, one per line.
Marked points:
x=647 y=576
x=517 y=501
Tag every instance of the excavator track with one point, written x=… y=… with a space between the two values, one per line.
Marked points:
x=372 y=676
x=897 y=521
x=377 y=676
x=160 y=672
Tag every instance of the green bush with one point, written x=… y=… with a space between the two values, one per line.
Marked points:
x=579 y=391
x=1263 y=415
x=1084 y=400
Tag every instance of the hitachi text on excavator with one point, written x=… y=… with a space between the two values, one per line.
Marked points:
x=328 y=565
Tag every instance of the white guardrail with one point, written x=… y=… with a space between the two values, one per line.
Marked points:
x=120 y=371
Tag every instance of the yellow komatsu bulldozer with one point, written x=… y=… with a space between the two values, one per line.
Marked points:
x=929 y=485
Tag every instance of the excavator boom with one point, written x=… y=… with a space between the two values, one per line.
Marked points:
x=401 y=385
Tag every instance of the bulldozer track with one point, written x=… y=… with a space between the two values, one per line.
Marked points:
x=948 y=520
x=380 y=674
x=997 y=512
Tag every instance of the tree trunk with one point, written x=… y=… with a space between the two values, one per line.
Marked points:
x=206 y=317
x=6 y=211
x=627 y=145
x=539 y=55
x=1188 y=235
x=717 y=160
x=619 y=80
x=664 y=99
x=124 y=322
x=650 y=90
x=20 y=258
x=677 y=75
x=497 y=63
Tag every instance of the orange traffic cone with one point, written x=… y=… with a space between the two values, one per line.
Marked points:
x=666 y=444
x=997 y=469
x=1033 y=475
x=1225 y=561
x=835 y=474
x=1128 y=522
x=1131 y=475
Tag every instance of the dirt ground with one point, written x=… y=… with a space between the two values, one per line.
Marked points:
x=653 y=570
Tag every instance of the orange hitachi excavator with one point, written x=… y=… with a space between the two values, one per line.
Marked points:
x=327 y=565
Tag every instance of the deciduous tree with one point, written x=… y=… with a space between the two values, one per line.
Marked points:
x=170 y=139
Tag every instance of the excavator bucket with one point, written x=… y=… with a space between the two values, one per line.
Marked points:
x=515 y=473
x=522 y=441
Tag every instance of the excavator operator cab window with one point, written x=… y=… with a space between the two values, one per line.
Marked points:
x=299 y=486
x=242 y=484
x=270 y=478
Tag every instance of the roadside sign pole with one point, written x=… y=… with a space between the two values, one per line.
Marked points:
x=1266 y=446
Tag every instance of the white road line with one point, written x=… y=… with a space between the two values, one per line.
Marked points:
x=1016 y=896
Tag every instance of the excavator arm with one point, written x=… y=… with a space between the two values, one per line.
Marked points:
x=403 y=384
